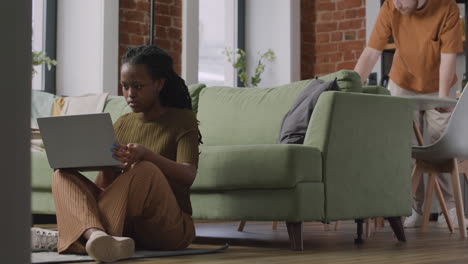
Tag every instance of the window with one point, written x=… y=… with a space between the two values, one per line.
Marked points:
x=219 y=27
x=44 y=13
x=37 y=38
x=211 y=44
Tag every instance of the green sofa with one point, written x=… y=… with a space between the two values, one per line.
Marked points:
x=41 y=173
x=354 y=163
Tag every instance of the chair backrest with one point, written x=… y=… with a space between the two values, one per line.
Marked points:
x=454 y=141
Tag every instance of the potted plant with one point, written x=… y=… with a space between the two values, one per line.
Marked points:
x=238 y=59
x=39 y=57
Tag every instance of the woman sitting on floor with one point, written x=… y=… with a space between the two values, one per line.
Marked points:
x=148 y=201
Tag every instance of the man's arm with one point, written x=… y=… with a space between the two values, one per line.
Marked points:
x=446 y=73
x=366 y=62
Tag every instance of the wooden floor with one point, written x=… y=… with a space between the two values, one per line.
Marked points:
x=260 y=244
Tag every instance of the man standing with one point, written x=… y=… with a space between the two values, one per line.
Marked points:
x=427 y=37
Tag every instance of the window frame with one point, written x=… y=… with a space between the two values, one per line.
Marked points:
x=190 y=39
x=48 y=41
x=50 y=44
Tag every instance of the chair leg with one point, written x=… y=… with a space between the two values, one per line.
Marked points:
x=397 y=227
x=418 y=134
x=458 y=199
x=443 y=205
x=274 y=225
x=415 y=178
x=379 y=223
x=428 y=201
x=337 y=225
x=241 y=226
x=368 y=227
x=463 y=168
x=295 y=230
x=359 y=239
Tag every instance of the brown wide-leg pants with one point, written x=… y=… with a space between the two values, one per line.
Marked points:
x=139 y=204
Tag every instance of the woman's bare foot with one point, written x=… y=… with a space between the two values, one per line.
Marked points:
x=88 y=232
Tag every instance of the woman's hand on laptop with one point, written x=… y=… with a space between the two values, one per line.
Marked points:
x=129 y=154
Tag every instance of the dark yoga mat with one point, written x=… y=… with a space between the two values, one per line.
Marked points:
x=54 y=257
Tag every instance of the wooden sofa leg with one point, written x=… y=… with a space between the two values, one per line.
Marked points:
x=359 y=239
x=241 y=226
x=295 y=235
x=397 y=227
x=274 y=225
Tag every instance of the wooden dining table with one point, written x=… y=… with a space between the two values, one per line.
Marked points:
x=423 y=103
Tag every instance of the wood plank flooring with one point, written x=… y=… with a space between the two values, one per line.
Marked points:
x=260 y=244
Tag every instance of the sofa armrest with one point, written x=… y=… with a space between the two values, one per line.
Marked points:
x=365 y=141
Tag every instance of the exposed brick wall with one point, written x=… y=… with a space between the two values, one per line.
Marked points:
x=168 y=29
x=333 y=35
x=134 y=19
x=332 y=31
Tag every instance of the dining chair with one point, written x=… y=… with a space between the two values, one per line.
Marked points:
x=441 y=157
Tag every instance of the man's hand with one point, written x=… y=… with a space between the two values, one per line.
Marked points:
x=445 y=110
x=366 y=62
x=129 y=154
x=443 y=94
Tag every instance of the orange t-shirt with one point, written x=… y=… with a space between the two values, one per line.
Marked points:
x=419 y=38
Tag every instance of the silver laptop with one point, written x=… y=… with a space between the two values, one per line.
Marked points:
x=81 y=142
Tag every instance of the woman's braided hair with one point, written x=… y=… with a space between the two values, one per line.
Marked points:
x=160 y=66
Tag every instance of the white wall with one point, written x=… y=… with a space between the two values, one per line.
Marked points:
x=87 y=46
x=274 y=24
x=15 y=110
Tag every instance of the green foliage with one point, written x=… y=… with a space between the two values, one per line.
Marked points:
x=40 y=57
x=238 y=59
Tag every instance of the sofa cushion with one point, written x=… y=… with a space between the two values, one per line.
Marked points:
x=348 y=81
x=41 y=106
x=116 y=106
x=244 y=116
x=278 y=166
